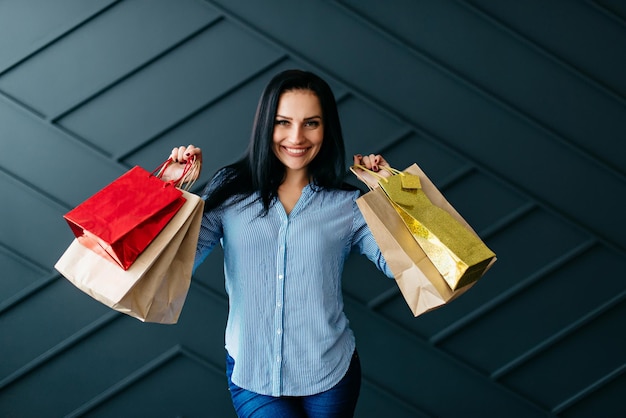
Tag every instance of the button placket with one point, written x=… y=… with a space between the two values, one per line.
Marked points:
x=279 y=308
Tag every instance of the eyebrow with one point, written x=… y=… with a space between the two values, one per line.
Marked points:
x=309 y=118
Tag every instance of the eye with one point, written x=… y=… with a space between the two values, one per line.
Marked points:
x=281 y=122
x=312 y=123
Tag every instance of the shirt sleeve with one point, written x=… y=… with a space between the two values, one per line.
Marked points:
x=365 y=244
x=210 y=234
x=211 y=230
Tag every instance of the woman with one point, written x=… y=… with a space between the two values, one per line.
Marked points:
x=287 y=223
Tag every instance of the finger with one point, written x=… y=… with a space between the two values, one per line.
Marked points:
x=366 y=161
x=183 y=153
x=177 y=154
x=174 y=154
x=371 y=162
x=193 y=152
x=382 y=161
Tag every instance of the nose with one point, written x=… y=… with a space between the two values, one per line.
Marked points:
x=296 y=134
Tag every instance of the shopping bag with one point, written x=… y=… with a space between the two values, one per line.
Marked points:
x=154 y=287
x=449 y=241
x=121 y=220
x=422 y=285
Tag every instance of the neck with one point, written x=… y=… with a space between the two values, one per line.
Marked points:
x=298 y=178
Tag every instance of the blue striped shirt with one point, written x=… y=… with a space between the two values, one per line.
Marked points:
x=286 y=328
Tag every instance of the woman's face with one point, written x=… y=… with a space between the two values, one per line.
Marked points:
x=298 y=129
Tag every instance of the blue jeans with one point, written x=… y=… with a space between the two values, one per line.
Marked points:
x=337 y=402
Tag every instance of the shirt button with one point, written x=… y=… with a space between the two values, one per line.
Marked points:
x=278 y=331
x=277 y=359
x=279 y=304
x=280 y=277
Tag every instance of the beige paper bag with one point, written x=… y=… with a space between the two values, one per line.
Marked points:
x=155 y=286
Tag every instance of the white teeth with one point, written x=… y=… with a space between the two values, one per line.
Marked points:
x=296 y=150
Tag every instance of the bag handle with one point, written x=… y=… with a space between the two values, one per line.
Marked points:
x=359 y=175
x=187 y=178
x=409 y=181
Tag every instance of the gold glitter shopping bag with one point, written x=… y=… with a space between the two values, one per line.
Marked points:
x=421 y=285
x=451 y=244
x=432 y=251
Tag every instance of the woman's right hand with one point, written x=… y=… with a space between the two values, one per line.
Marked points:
x=179 y=157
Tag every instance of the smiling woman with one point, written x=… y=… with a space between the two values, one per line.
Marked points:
x=287 y=223
x=298 y=137
x=299 y=130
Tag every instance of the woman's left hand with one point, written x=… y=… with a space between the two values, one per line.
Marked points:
x=374 y=163
x=371 y=162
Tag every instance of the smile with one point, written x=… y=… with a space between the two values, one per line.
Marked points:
x=295 y=151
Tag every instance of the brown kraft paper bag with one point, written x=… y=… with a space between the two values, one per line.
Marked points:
x=422 y=285
x=451 y=244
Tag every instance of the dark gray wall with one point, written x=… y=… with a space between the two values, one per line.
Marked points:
x=515 y=109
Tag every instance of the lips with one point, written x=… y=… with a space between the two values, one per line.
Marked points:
x=295 y=151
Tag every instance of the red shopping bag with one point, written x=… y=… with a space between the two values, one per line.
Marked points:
x=155 y=287
x=121 y=220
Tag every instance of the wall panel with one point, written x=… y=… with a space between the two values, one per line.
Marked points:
x=515 y=111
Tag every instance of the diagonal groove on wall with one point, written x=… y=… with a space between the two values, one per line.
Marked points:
x=22 y=258
x=66 y=133
x=449 y=358
x=551 y=55
x=201 y=360
x=573 y=400
x=59 y=36
x=200 y=109
x=508 y=220
x=27 y=292
x=382 y=298
x=60 y=348
x=17 y=102
x=55 y=118
x=147 y=369
x=606 y=12
x=26 y=185
x=484 y=92
x=484 y=309
x=128 y=381
x=395 y=399
x=557 y=336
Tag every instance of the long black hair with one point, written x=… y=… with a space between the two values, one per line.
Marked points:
x=259 y=170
